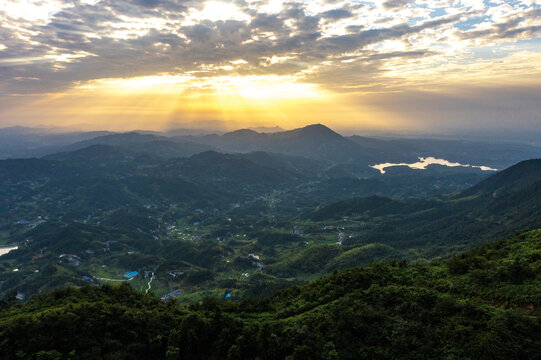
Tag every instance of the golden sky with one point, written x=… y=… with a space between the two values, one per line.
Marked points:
x=387 y=65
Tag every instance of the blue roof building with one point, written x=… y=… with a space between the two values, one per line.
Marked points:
x=131 y=274
x=171 y=295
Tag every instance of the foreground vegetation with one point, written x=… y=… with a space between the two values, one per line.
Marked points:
x=483 y=304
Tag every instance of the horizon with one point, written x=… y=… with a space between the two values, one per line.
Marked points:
x=531 y=138
x=407 y=68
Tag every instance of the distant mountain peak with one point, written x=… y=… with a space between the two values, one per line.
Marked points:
x=317 y=126
x=241 y=132
x=317 y=130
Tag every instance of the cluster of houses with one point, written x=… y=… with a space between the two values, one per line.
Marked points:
x=71 y=259
x=175 y=273
x=255 y=261
x=31 y=224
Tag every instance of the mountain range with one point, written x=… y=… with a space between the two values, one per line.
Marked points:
x=102 y=193
x=314 y=141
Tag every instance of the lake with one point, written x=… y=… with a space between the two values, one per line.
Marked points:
x=424 y=162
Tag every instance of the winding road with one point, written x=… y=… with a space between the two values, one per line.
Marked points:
x=151 y=278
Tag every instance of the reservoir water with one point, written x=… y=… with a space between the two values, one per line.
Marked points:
x=424 y=162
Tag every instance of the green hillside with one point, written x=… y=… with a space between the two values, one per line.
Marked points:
x=484 y=304
x=98 y=213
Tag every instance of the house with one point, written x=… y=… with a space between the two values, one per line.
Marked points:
x=175 y=273
x=131 y=275
x=250 y=255
x=171 y=295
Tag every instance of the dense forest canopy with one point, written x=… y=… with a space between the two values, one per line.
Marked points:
x=483 y=304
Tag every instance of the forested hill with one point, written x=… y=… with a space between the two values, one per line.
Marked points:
x=484 y=304
x=516 y=178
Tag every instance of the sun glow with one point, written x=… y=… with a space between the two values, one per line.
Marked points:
x=33 y=10
x=232 y=101
x=268 y=87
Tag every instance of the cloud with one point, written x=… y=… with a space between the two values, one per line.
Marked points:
x=52 y=46
x=336 y=14
x=526 y=24
x=396 y=4
x=509 y=111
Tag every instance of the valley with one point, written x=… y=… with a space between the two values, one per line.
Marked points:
x=238 y=224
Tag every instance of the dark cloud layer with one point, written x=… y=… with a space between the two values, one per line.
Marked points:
x=74 y=45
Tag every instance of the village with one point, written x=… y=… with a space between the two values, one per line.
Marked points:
x=167 y=248
x=234 y=257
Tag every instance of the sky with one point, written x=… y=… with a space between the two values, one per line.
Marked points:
x=395 y=66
